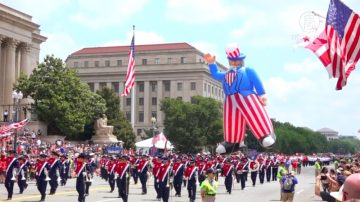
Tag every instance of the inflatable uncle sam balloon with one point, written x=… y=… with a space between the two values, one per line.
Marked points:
x=244 y=102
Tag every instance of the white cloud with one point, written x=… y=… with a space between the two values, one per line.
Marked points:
x=283 y=90
x=98 y=14
x=141 y=37
x=39 y=9
x=307 y=66
x=59 y=44
x=202 y=11
x=204 y=46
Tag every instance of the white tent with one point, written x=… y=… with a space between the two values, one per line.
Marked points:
x=160 y=143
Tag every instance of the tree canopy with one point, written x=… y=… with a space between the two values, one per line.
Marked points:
x=61 y=99
x=122 y=128
x=190 y=126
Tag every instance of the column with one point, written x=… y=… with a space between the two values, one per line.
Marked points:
x=147 y=109
x=9 y=70
x=121 y=89
x=25 y=60
x=159 y=98
x=2 y=74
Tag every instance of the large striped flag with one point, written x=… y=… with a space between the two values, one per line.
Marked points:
x=6 y=129
x=130 y=75
x=338 y=45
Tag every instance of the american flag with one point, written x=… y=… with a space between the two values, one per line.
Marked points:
x=338 y=45
x=130 y=75
x=5 y=129
x=230 y=77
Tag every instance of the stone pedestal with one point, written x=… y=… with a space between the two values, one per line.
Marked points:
x=104 y=139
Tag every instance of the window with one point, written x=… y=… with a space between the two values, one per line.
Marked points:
x=144 y=61
x=167 y=85
x=141 y=86
x=153 y=86
x=91 y=86
x=154 y=101
x=219 y=92
x=179 y=98
x=128 y=115
x=193 y=85
x=157 y=61
x=154 y=114
x=86 y=64
x=182 y=60
x=141 y=101
x=212 y=89
x=107 y=63
x=138 y=131
x=96 y=63
x=179 y=86
x=115 y=86
x=141 y=117
x=169 y=60
x=119 y=63
x=128 y=101
x=76 y=64
x=102 y=85
x=209 y=88
x=216 y=92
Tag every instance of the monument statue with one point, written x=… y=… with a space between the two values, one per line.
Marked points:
x=103 y=132
x=101 y=127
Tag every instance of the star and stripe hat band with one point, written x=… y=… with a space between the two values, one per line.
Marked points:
x=233 y=53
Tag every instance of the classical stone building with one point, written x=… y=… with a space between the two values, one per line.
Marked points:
x=330 y=134
x=20 y=41
x=174 y=70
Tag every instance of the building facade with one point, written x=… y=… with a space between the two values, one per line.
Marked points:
x=330 y=134
x=20 y=41
x=173 y=70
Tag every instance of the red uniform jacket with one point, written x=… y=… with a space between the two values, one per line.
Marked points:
x=164 y=169
x=142 y=164
x=227 y=168
x=121 y=168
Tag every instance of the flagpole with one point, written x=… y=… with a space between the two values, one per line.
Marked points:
x=133 y=94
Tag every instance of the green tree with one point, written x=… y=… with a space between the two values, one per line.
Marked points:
x=190 y=126
x=122 y=128
x=61 y=99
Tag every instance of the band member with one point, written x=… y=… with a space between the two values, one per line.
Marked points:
x=111 y=167
x=268 y=165
x=12 y=164
x=244 y=171
x=54 y=172
x=178 y=169
x=103 y=167
x=275 y=167
x=227 y=172
x=253 y=168
x=142 y=171
x=164 y=176
x=201 y=170
x=42 y=175
x=80 y=173
x=90 y=167
x=134 y=171
x=261 y=169
x=123 y=171
x=23 y=166
x=155 y=172
x=64 y=169
x=190 y=176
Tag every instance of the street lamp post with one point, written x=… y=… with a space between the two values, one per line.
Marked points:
x=17 y=96
x=153 y=121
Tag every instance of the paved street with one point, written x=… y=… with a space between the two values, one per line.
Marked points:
x=99 y=192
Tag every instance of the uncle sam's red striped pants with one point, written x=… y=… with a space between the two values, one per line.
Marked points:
x=240 y=111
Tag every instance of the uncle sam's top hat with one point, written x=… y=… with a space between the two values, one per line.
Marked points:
x=233 y=53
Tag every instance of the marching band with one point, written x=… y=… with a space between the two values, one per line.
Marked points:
x=169 y=172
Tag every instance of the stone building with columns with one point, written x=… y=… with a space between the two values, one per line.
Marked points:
x=20 y=41
x=174 y=70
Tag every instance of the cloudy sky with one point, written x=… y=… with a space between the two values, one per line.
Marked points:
x=297 y=85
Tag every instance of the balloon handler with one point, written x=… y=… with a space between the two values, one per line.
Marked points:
x=243 y=104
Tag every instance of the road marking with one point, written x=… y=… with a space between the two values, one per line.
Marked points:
x=57 y=193
x=106 y=200
x=298 y=192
